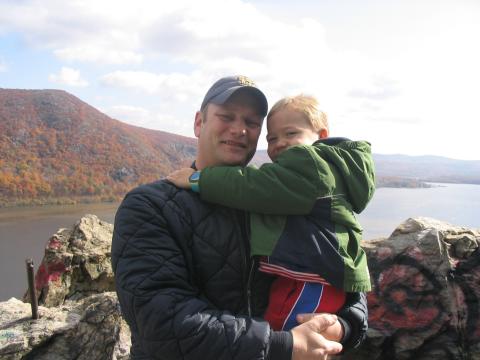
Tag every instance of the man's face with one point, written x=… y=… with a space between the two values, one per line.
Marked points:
x=228 y=134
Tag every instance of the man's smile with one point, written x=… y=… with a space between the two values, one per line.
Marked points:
x=234 y=143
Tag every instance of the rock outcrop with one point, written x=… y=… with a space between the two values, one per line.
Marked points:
x=88 y=329
x=79 y=314
x=424 y=303
x=426 y=290
x=76 y=263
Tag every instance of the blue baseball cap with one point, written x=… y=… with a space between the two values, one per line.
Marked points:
x=222 y=89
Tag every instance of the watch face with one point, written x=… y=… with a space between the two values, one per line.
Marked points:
x=195 y=176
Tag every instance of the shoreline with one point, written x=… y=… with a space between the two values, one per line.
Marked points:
x=42 y=202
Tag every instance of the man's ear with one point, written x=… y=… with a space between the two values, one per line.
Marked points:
x=197 y=125
x=322 y=134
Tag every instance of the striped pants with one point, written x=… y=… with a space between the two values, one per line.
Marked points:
x=289 y=297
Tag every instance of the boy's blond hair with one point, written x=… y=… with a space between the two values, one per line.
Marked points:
x=305 y=104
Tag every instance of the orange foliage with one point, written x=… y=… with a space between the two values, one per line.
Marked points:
x=52 y=145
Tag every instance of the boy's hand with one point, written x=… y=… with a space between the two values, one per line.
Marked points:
x=333 y=332
x=180 y=178
x=309 y=344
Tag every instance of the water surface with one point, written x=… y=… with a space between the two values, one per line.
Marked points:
x=25 y=231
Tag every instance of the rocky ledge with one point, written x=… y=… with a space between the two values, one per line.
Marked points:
x=424 y=303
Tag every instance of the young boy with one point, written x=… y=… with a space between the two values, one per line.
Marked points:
x=301 y=210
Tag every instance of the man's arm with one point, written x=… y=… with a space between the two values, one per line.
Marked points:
x=159 y=298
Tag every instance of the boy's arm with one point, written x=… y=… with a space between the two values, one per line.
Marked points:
x=354 y=316
x=290 y=185
x=293 y=183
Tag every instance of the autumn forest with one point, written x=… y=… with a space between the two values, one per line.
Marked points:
x=57 y=149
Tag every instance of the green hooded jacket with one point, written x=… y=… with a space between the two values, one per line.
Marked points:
x=302 y=207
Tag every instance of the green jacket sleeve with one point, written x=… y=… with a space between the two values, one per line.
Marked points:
x=290 y=185
x=353 y=162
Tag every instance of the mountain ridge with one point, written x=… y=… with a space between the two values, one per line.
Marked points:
x=56 y=148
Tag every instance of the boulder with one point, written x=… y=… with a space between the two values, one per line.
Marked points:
x=426 y=290
x=76 y=263
x=91 y=328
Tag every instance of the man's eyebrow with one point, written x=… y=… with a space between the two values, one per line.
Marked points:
x=222 y=111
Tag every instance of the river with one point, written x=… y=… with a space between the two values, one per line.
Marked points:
x=25 y=231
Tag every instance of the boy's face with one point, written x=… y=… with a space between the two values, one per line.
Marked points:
x=287 y=128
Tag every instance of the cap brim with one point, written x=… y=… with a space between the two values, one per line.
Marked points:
x=223 y=97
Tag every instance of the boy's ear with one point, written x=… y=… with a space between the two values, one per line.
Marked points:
x=322 y=134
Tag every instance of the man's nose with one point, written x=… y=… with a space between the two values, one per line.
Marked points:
x=238 y=128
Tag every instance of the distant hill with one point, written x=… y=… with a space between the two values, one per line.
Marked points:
x=414 y=171
x=428 y=168
x=56 y=148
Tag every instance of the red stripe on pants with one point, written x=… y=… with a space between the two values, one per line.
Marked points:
x=284 y=294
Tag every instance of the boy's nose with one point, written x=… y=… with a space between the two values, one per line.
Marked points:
x=281 y=143
x=279 y=147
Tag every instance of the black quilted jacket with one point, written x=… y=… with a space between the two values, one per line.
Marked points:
x=186 y=285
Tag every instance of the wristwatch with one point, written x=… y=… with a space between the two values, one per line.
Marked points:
x=193 y=180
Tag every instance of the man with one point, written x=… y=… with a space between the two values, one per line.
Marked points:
x=185 y=281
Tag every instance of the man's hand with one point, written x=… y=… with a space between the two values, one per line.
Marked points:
x=308 y=344
x=180 y=178
x=333 y=332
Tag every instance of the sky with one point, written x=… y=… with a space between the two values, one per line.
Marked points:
x=401 y=74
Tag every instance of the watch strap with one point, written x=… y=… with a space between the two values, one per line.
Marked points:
x=194 y=181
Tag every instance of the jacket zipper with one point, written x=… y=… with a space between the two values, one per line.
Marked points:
x=246 y=261
x=249 y=290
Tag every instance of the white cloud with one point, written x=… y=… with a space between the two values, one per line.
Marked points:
x=98 y=54
x=183 y=33
x=68 y=76
x=186 y=31
x=137 y=80
x=132 y=114
x=379 y=89
x=161 y=118
x=90 y=31
x=173 y=86
x=194 y=32
x=171 y=122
